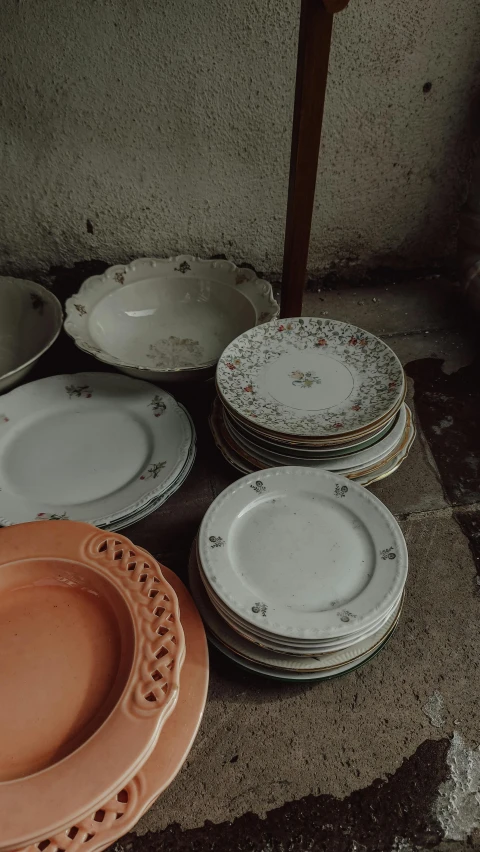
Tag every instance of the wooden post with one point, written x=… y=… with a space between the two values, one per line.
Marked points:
x=316 y=21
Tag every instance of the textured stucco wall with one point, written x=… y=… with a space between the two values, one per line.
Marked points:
x=166 y=124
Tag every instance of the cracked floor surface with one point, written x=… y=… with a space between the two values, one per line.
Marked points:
x=384 y=759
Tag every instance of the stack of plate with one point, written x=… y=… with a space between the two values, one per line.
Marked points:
x=103 y=686
x=95 y=447
x=297 y=575
x=312 y=392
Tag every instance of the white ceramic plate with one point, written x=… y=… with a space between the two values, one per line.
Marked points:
x=295 y=647
x=310 y=377
x=284 y=675
x=303 y=553
x=346 y=464
x=93 y=447
x=167 y=319
x=266 y=657
x=301 y=451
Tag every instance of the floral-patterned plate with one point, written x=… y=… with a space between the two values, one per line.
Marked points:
x=303 y=553
x=92 y=648
x=310 y=378
x=344 y=464
x=167 y=319
x=279 y=658
x=296 y=647
x=88 y=447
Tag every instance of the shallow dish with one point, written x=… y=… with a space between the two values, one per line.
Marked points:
x=302 y=553
x=311 y=378
x=30 y=321
x=91 y=649
x=167 y=320
x=121 y=812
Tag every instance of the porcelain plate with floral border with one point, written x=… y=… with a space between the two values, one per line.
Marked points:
x=310 y=377
x=302 y=553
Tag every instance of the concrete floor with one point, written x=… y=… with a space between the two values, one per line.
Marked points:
x=385 y=759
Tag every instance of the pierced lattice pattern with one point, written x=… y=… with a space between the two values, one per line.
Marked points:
x=97 y=828
x=155 y=602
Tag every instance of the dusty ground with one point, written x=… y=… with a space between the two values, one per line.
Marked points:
x=385 y=759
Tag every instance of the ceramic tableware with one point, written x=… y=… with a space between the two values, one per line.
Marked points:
x=310 y=378
x=246 y=462
x=90 y=446
x=119 y=814
x=294 y=677
x=301 y=553
x=343 y=464
x=301 y=450
x=167 y=319
x=278 y=658
x=30 y=322
x=91 y=647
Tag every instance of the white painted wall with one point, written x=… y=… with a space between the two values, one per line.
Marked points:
x=166 y=123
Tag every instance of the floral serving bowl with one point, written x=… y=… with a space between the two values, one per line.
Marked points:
x=30 y=321
x=167 y=320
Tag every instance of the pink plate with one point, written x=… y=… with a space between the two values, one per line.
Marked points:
x=120 y=813
x=91 y=648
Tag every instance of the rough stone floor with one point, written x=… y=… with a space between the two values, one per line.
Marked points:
x=387 y=758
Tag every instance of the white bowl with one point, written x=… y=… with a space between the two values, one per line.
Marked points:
x=30 y=321
x=167 y=320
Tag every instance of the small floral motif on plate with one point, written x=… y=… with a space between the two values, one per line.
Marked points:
x=260 y=608
x=304 y=380
x=154 y=470
x=78 y=391
x=216 y=541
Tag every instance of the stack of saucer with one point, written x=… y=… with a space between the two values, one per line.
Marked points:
x=95 y=447
x=298 y=575
x=313 y=392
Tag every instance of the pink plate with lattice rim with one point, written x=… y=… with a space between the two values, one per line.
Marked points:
x=120 y=813
x=91 y=648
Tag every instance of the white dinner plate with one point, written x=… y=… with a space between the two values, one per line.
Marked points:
x=255 y=653
x=90 y=447
x=310 y=377
x=302 y=552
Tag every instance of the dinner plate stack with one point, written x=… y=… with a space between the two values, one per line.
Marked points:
x=94 y=447
x=313 y=392
x=297 y=574
x=104 y=673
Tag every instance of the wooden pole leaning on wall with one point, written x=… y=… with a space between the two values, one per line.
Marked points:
x=316 y=20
